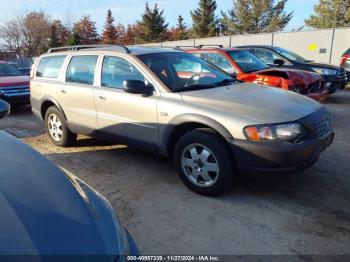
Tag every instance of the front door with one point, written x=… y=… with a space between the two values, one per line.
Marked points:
x=123 y=114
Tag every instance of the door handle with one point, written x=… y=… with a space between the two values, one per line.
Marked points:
x=63 y=91
x=102 y=97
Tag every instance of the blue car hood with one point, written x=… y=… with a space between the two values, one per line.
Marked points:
x=45 y=212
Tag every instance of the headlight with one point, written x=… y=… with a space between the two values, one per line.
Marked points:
x=324 y=71
x=285 y=132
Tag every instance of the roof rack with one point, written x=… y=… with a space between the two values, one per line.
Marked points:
x=121 y=48
x=186 y=46
x=198 y=46
x=201 y=46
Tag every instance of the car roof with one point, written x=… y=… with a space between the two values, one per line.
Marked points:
x=219 y=49
x=252 y=46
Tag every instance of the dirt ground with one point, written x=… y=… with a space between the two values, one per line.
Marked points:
x=304 y=213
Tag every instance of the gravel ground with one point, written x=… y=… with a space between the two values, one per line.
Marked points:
x=304 y=213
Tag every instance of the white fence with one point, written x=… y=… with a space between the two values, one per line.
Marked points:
x=324 y=46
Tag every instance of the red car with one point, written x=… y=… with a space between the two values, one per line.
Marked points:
x=248 y=68
x=14 y=86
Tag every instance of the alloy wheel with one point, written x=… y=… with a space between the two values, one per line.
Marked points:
x=200 y=165
x=55 y=127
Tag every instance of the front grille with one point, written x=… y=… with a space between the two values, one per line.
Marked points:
x=13 y=90
x=324 y=126
x=315 y=87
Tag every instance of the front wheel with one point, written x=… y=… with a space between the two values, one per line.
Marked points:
x=57 y=129
x=204 y=162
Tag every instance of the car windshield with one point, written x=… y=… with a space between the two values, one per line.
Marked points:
x=184 y=72
x=290 y=55
x=247 y=61
x=9 y=70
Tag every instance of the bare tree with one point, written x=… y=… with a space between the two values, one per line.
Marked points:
x=27 y=34
x=11 y=34
x=36 y=30
x=68 y=20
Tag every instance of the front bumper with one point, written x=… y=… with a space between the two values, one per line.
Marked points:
x=320 y=96
x=284 y=156
x=278 y=157
x=16 y=96
x=334 y=83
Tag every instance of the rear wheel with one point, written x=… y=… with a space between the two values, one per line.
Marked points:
x=57 y=129
x=204 y=163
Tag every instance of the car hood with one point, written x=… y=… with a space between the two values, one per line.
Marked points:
x=320 y=65
x=14 y=80
x=45 y=212
x=258 y=103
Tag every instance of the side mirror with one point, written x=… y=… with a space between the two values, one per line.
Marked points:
x=278 y=62
x=137 y=87
x=4 y=109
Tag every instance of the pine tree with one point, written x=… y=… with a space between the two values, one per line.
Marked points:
x=73 y=39
x=204 y=19
x=86 y=30
x=181 y=30
x=53 y=42
x=132 y=34
x=109 y=34
x=256 y=16
x=153 y=25
x=330 y=13
x=59 y=34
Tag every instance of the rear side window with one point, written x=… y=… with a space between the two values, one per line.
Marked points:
x=219 y=61
x=50 y=67
x=81 y=69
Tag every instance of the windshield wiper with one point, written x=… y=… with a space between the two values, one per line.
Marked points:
x=193 y=87
x=225 y=82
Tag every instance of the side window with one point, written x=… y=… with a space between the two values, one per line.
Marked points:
x=81 y=69
x=115 y=70
x=219 y=61
x=197 y=54
x=266 y=56
x=50 y=67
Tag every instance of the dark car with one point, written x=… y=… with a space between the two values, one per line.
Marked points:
x=335 y=77
x=14 y=86
x=46 y=211
x=23 y=64
x=345 y=62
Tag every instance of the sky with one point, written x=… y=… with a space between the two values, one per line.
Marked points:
x=128 y=11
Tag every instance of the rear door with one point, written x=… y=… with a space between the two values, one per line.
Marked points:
x=122 y=114
x=76 y=93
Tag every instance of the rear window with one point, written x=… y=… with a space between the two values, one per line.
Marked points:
x=81 y=69
x=50 y=67
x=347 y=52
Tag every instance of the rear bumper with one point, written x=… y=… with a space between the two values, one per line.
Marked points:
x=278 y=157
x=320 y=96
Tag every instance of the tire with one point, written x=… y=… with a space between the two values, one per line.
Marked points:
x=204 y=162
x=57 y=129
